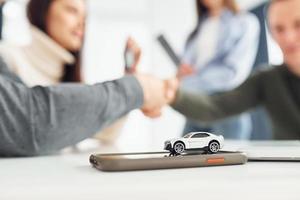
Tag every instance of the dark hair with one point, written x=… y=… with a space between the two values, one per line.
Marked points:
x=37 y=11
x=202 y=13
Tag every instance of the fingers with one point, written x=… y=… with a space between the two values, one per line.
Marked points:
x=185 y=70
x=157 y=93
x=152 y=113
x=132 y=45
x=171 y=88
x=154 y=95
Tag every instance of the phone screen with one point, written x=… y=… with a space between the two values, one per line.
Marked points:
x=129 y=59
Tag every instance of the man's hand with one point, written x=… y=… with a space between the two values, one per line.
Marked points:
x=172 y=86
x=185 y=70
x=154 y=95
x=157 y=94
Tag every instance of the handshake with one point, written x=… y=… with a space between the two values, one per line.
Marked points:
x=157 y=93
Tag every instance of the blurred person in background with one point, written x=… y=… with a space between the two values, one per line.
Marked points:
x=1 y=17
x=54 y=54
x=219 y=56
x=276 y=88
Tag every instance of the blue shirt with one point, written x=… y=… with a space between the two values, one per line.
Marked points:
x=234 y=58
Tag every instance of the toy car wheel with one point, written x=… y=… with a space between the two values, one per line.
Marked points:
x=213 y=147
x=178 y=148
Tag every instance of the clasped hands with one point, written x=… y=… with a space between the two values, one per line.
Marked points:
x=157 y=93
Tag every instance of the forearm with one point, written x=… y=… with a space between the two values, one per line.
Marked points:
x=204 y=108
x=42 y=120
x=198 y=107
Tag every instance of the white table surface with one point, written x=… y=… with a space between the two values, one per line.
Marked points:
x=70 y=176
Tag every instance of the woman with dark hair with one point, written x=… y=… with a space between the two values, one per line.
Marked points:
x=54 y=54
x=63 y=22
x=219 y=56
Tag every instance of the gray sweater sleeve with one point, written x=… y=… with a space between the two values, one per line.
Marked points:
x=42 y=120
x=208 y=109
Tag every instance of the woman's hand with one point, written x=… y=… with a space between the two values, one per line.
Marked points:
x=132 y=55
x=185 y=70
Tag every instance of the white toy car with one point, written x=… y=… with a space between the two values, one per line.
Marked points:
x=194 y=141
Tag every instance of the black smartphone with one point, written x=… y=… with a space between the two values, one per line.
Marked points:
x=169 y=50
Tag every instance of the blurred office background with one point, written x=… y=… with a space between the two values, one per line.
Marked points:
x=110 y=22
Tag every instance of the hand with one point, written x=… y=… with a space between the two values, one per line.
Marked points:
x=185 y=70
x=172 y=86
x=133 y=47
x=154 y=95
x=157 y=93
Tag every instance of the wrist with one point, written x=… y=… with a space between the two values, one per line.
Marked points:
x=144 y=83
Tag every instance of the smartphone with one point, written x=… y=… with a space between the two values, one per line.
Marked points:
x=163 y=160
x=169 y=50
x=129 y=58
